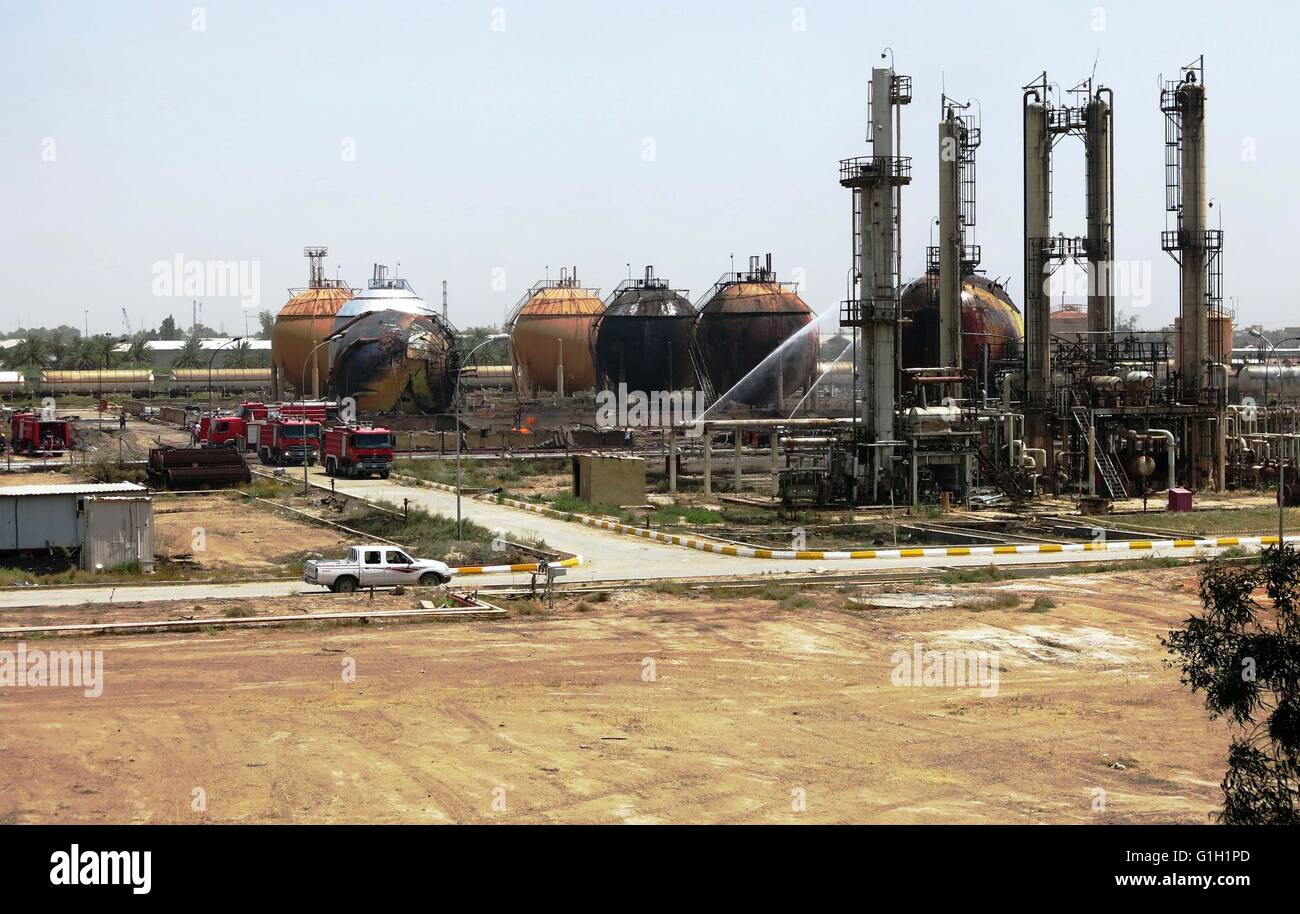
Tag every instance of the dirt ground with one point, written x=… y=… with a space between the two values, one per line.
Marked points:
x=646 y=707
x=217 y=532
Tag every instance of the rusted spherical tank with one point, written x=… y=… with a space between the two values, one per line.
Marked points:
x=306 y=320
x=393 y=352
x=745 y=321
x=643 y=338
x=988 y=317
x=553 y=328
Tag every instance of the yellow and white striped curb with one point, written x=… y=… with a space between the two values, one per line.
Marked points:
x=916 y=553
x=573 y=562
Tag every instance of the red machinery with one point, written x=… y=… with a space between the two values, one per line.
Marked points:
x=286 y=441
x=358 y=451
x=30 y=434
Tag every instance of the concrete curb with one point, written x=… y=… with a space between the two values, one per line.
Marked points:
x=573 y=562
x=916 y=553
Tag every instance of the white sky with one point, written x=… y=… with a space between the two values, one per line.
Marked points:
x=481 y=149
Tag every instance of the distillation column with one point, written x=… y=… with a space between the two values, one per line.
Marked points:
x=952 y=240
x=1038 y=230
x=875 y=182
x=1099 y=146
x=1196 y=249
x=1194 y=351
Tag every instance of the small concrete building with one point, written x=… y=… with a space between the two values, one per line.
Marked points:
x=110 y=523
x=609 y=479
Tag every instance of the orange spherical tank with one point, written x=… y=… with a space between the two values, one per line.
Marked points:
x=988 y=317
x=307 y=319
x=553 y=327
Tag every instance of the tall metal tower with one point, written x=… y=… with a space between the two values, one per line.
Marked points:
x=1044 y=124
x=315 y=255
x=876 y=182
x=1196 y=249
x=953 y=259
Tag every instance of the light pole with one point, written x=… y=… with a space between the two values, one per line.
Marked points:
x=306 y=486
x=212 y=359
x=1281 y=461
x=99 y=399
x=456 y=402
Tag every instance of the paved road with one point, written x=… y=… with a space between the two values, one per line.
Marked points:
x=613 y=556
x=607 y=556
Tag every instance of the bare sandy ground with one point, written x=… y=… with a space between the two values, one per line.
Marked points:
x=645 y=708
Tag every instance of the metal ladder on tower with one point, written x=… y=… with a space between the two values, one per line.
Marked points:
x=1110 y=475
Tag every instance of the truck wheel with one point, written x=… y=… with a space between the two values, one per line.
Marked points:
x=383 y=474
x=345 y=584
x=265 y=456
x=432 y=579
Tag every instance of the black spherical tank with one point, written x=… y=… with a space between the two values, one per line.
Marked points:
x=988 y=316
x=747 y=318
x=643 y=338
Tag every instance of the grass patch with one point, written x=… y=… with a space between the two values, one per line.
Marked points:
x=103 y=469
x=572 y=504
x=477 y=474
x=239 y=612
x=972 y=575
x=668 y=588
x=1218 y=520
x=1041 y=605
x=261 y=487
x=998 y=601
x=424 y=532
x=691 y=514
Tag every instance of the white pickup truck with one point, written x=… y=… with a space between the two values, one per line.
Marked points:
x=375 y=566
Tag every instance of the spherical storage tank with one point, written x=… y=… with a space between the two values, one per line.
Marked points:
x=643 y=338
x=551 y=327
x=988 y=316
x=747 y=317
x=393 y=352
x=306 y=320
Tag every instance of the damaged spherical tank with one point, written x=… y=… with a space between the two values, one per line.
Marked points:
x=551 y=330
x=988 y=317
x=643 y=338
x=303 y=323
x=392 y=352
x=746 y=319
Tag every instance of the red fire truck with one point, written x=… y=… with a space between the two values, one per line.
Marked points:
x=288 y=441
x=30 y=434
x=358 y=451
x=222 y=431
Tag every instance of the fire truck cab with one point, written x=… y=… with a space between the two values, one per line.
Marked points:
x=289 y=441
x=358 y=451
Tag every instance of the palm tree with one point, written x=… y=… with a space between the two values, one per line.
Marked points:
x=78 y=356
x=30 y=352
x=190 y=355
x=239 y=356
x=137 y=351
x=103 y=350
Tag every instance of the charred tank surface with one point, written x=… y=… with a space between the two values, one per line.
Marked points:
x=392 y=352
x=746 y=318
x=306 y=320
x=643 y=338
x=550 y=327
x=988 y=317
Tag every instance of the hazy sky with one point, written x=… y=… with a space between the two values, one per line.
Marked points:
x=481 y=142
